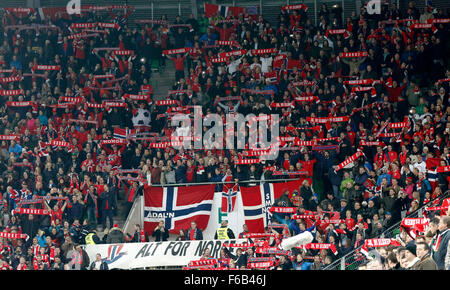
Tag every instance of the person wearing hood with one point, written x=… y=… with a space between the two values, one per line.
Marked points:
x=115 y=236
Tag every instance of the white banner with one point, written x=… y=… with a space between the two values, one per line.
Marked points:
x=154 y=254
x=235 y=218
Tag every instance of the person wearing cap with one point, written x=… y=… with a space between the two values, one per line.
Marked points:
x=410 y=256
x=387 y=222
x=115 y=236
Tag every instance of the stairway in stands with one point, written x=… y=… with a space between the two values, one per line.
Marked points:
x=163 y=80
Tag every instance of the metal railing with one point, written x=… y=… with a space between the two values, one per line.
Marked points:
x=225 y=182
x=352 y=261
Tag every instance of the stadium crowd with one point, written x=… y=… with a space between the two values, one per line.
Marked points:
x=373 y=87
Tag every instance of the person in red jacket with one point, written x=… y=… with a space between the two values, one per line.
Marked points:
x=395 y=91
x=179 y=65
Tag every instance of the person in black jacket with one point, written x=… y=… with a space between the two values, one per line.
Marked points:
x=241 y=258
x=139 y=236
x=98 y=264
x=194 y=233
x=160 y=233
x=107 y=204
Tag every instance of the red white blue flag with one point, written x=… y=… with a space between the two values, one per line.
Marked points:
x=229 y=195
x=257 y=201
x=177 y=206
x=120 y=133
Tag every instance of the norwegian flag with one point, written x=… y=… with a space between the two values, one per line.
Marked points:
x=177 y=206
x=120 y=133
x=229 y=195
x=257 y=201
x=432 y=175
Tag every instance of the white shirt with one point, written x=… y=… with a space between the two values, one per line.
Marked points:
x=97 y=265
x=422 y=166
x=232 y=67
x=265 y=63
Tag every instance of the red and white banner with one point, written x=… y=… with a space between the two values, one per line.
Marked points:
x=349 y=160
x=11 y=92
x=328 y=119
x=7 y=235
x=279 y=209
x=9 y=137
x=263 y=51
x=295 y=7
x=176 y=51
x=10 y=79
x=46 y=67
x=345 y=32
x=353 y=54
x=234 y=52
x=166 y=102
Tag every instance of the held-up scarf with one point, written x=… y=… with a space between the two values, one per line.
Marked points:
x=279 y=209
x=325 y=147
x=246 y=161
x=304 y=83
x=283 y=105
x=8 y=137
x=176 y=51
x=165 y=144
x=256 y=153
x=31 y=211
x=113 y=141
x=359 y=82
x=398 y=125
x=166 y=102
x=10 y=79
x=304 y=143
x=243 y=245
x=7 y=235
x=439 y=20
x=45 y=67
x=345 y=32
x=307 y=99
x=260 y=265
x=303 y=216
x=259 y=235
x=353 y=54
x=423 y=26
x=295 y=7
x=280 y=172
x=389 y=135
x=234 y=52
x=263 y=51
x=349 y=160
x=272 y=251
x=319 y=246
x=11 y=92
x=412 y=226
x=378 y=243
x=136 y=97
x=257 y=92
x=205 y=262
x=328 y=119
x=227 y=42
x=219 y=60
x=371 y=143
